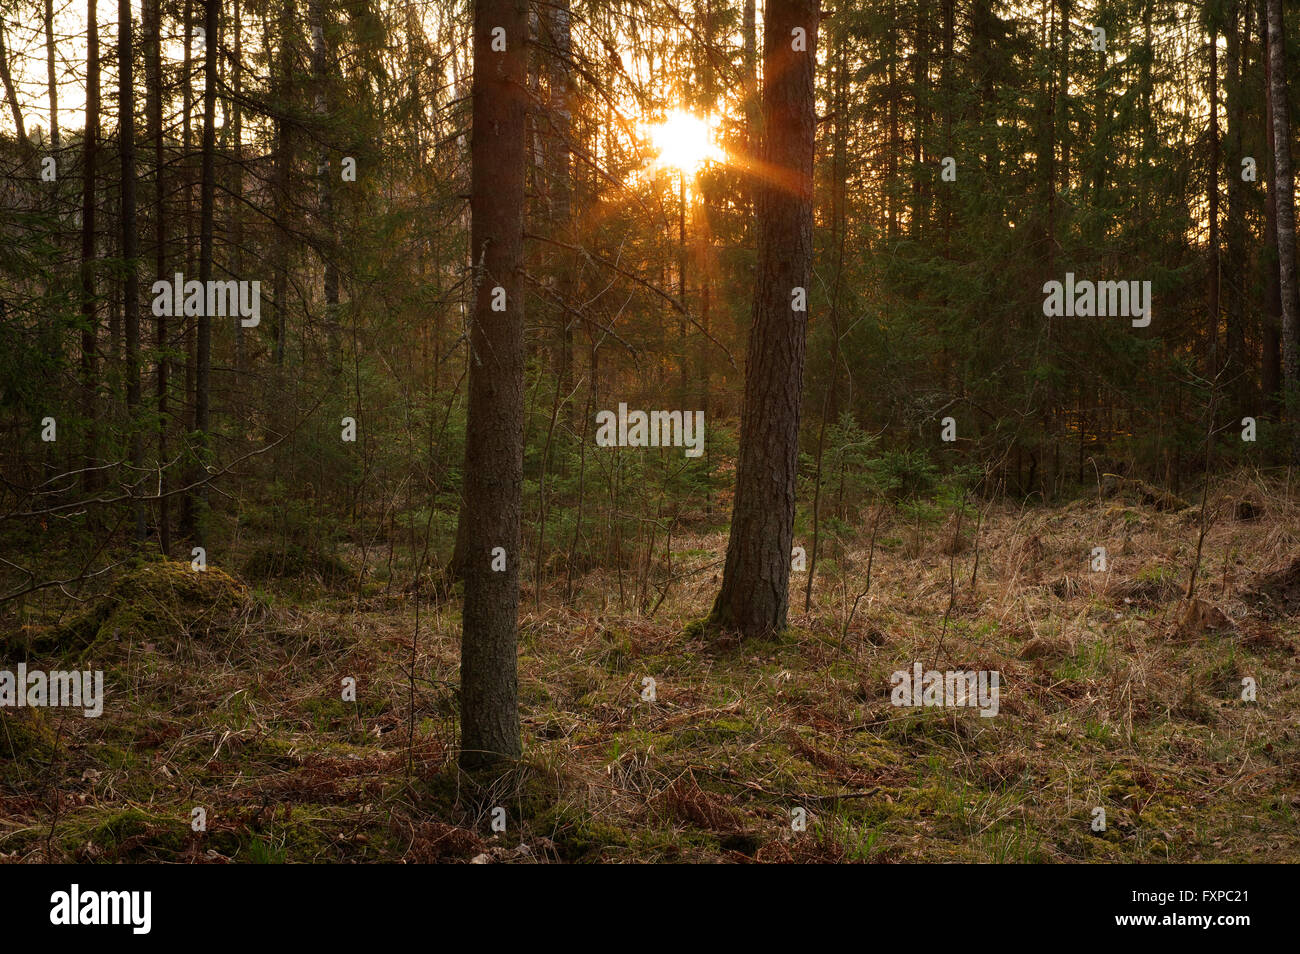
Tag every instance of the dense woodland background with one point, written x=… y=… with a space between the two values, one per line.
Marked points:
x=215 y=139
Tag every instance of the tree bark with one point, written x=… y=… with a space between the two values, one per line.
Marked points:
x=1235 y=331
x=754 y=598
x=51 y=76
x=234 y=203
x=493 y=482
x=89 y=310
x=1271 y=360
x=562 y=190
x=753 y=110
x=1212 y=194
x=189 y=504
x=839 y=232
x=153 y=109
x=130 y=246
x=207 y=199
x=325 y=184
x=1285 y=188
x=280 y=188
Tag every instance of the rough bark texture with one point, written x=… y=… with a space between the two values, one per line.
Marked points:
x=494 y=439
x=755 y=585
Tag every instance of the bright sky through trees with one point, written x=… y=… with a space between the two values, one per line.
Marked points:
x=683 y=142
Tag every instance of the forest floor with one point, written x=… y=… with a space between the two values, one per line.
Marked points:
x=1116 y=693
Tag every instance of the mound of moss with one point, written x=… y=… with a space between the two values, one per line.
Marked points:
x=160 y=601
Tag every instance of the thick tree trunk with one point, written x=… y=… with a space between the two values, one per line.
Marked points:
x=755 y=597
x=493 y=482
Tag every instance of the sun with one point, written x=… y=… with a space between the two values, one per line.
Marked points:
x=682 y=141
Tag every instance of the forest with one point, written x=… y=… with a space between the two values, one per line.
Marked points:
x=546 y=431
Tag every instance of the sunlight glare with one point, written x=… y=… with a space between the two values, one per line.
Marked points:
x=682 y=141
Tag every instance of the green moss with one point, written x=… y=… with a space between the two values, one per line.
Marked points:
x=157 y=602
x=27 y=740
x=133 y=832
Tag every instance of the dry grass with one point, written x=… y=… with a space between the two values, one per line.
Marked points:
x=1116 y=694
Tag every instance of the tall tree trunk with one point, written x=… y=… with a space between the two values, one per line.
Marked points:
x=1212 y=193
x=562 y=189
x=51 y=74
x=754 y=598
x=946 y=78
x=237 y=185
x=207 y=199
x=89 y=310
x=153 y=108
x=493 y=482
x=280 y=188
x=752 y=107
x=130 y=247
x=1236 y=241
x=1271 y=360
x=325 y=184
x=682 y=300
x=839 y=233
x=1063 y=98
x=893 y=143
x=920 y=121
x=189 y=501
x=1285 y=188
